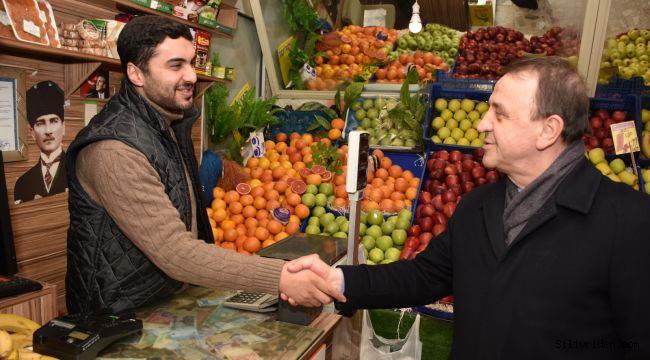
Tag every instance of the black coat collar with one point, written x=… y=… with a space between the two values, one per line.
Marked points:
x=577 y=192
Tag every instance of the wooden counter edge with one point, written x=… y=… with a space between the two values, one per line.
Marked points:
x=326 y=321
x=39 y=306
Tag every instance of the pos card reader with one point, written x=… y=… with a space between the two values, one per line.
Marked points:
x=81 y=336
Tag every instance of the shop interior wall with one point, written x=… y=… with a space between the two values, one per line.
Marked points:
x=40 y=226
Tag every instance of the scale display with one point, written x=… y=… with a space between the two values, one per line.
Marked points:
x=358 y=149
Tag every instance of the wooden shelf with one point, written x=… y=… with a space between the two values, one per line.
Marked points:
x=128 y=4
x=71 y=57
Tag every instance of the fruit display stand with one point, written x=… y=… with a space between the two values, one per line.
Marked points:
x=462 y=119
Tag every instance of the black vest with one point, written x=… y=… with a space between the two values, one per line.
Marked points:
x=106 y=271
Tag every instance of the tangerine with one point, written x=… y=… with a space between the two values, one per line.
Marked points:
x=219 y=215
x=259 y=203
x=237 y=219
x=227 y=224
x=302 y=211
x=218 y=193
x=293 y=199
x=280 y=236
x=251 y=222
x=228 y=245
x=395 y=171
x=235 y=208
x=381 y=173
x=340 y=203
x=334 y=134
x=252 y=245
x=252 y=163
x=249 y=211
x=268 y=242
x=385 y=162
x=218 y=204
x=378 y=153
x=313 y=179
x=246 y=199
x=231 y=197
x=411 y=193
x=291 y=228
x=281 y=137
x=257 y=192
x=230 y=235
x=272 y=204
x=274 y=227
x=261 y=233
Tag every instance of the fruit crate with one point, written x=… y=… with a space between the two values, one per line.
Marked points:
x=627 y=104
x=617 y=88
x=452 y=89
x=352 y=123
x=449 y=82
x=293 y=121
x=414 y=162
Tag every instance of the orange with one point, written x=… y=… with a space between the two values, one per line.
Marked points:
x=294 y=219
x=257 y=192
x=407 y=175
x=334 y=134
x=252 y=163
x=213 y=223
x=230 y=235
x=227 y=224
x=252 y=245
x=249 y=211
x=256 y=173
x=280 y=186
x=262 y=214
x=385 y=163
x=269 y=145
x=217 y=234
x=411 y=193
x=302 y=211
x=415 y=182
x=291 y=228
x=294 y=199
x=241 y=229
x=387 y=206
x=246 y=200
x=272 y=204
x=218 y=204
x=268 y=242
x=280 y=236
x=338 y=123
x=294 y=136
x=274 y=227
x=218 y=193
x=235 y=208
x=229 y=245
x=237 y=219
x=219 y=215
x=281 y=137
x=313 y=179
x=395 y=171
x=251 y=222
x=272 y=195
x=401 y=184
x=340 y=203
x=259 y=203
x=281 y=147
x=244 y=252
x=231 y=196
x=378 y=153
x=261 y=233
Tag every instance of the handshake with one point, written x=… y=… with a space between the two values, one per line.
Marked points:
x=310 y=282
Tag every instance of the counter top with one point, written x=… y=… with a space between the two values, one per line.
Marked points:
x=195 y=325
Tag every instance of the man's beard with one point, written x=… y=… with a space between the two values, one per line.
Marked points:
x=168 y=100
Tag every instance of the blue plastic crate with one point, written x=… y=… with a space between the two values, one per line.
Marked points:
x=447 y=91
x=643 y=102
x=627 y=104
x=617 y=88
x=416 y=163
x=351 y=123
x=449 y=82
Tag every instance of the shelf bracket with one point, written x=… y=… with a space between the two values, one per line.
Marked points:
x=75 y=74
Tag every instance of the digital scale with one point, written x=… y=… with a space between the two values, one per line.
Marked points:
x=82 y=337
x=355 y=183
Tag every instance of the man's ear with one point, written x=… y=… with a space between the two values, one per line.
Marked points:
x=550 y=132
x=134 y=74
x=31 y=132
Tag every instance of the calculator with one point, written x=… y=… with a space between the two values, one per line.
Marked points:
x=253 y=301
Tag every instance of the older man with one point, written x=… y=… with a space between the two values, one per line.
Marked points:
x=549 y=263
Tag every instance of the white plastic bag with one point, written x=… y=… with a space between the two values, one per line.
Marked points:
x=375 y=347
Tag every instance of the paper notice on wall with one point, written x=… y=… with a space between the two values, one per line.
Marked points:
x=8 y=115
x=374 y=17
x=90 y=110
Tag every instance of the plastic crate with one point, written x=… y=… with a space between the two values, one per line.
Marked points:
x=351 y=123
x=643 y=102
x=617 y=88
x=627 y=104
x=447 y=90
x=449 y=82
x=293 y=121
x=416 y=163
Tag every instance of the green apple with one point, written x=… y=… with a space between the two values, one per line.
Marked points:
x=440 y=104
x=647 y=188
x=460 y=115
x=467 y=105
x=473 y=115
x=392 y=254
x=438 y=122
x=465 y=124
x=446 y=114
x=308 y=199
x=463 y=141
x=451 y=124
x=313 y=221
x=312 y=230
x=646 y=175
x=374 y=231
x=376 y=255
x=596 y=155
x=444 y=133
x=628 y=178
x=368 y=242
x=471 y=134
x=453 y=105
x=614 y=177
x=318 y=211
x=399 y=236
x=457 y=134
x=482 y=107
x=477 y=142
x=645 y=115
x=436 y=139
x=384 y=242
x=450 y=141
x=617 y=166
x=387 y=227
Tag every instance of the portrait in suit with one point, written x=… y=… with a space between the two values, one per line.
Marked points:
x=96 y=86
x=47 y=128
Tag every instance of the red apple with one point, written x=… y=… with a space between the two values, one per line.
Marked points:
x=468 y=165
x=448 y=196
x=451 y=170
x=407 y=253
x=478 y=172
x=425 y=197
x=427 y=211
x=439 y=218
x=437 y=202
x=425 y=238
x=427 y=225
x=455 y=156
x=449 y=209
x=602 y=113
x=441 y=154
x=596 y=122
x=492 y=176
x=619 y=116
x=414 y=230
x=438 y=228
x=451 y=179
x=412 y=242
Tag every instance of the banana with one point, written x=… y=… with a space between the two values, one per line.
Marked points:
x=22 y=340
x=645 y=144
x=17 y=323
x=6 y=344
x=24 y=354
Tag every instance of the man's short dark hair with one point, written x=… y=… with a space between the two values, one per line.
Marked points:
x=560 y=91
x=140 y=37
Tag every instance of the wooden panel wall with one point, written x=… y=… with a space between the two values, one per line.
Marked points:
x=40 y=226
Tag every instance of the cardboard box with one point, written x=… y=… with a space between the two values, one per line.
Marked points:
x=202 y=50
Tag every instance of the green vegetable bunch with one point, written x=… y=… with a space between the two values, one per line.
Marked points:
x=235 y=122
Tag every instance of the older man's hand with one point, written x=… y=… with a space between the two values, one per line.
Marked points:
x=309 y=281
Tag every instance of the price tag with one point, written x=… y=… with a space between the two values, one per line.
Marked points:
x=625 y=137
x=254 y=146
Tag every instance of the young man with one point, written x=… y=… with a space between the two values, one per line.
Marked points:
x=549 y=263
x=138 y=227
x=45 y=116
